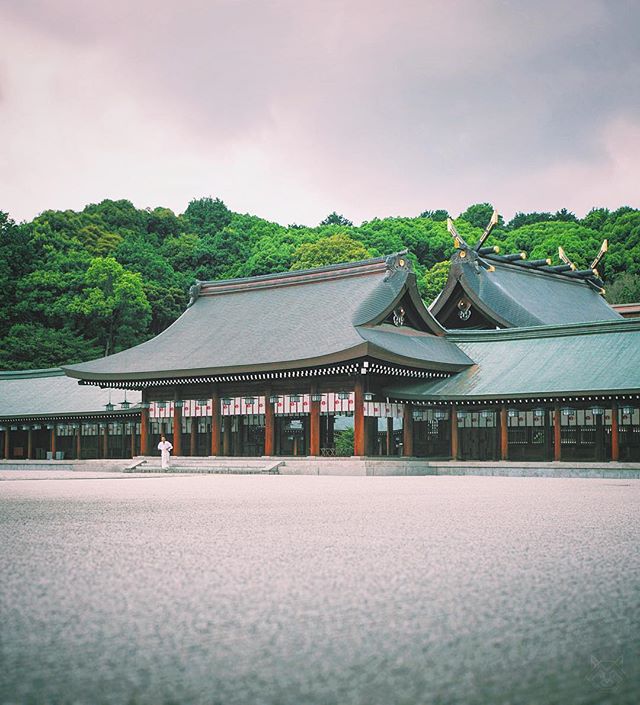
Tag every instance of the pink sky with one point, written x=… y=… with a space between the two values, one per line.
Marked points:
x=290 y=109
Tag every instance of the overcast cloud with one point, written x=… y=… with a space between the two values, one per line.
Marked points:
x=290 y=109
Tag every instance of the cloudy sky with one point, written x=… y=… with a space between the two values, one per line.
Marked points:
x=291 y=109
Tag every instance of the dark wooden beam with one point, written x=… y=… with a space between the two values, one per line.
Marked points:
x=390 y=436
x=215 y=421
x=407 y=431
x=177 y=425
x=504 y=434
x=314 y=425
x=7 y=443
x=193 y=438
x=615 y=436
x=269 y=426
x=359 y=426
x=455 y=445
x=144 y=428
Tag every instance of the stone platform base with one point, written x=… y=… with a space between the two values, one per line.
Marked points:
x=331 y=466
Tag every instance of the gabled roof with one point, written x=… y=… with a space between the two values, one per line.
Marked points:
x=50 y=393
x=287 y=321
x=577 y=359
x=513 y=295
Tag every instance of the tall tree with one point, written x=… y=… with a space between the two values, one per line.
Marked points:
x=331 y=250
x=113 y=304
x=336 y=219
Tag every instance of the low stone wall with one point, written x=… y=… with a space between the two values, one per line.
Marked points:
x=336 y=466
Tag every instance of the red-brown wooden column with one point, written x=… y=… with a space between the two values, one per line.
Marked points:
x=7 y=441
x=504 y=434
x=407 y=431
x=390 y=436
x=455 y=447
x=144 y=428
x=359 y=426
x=557 y=436
x=79 y=441
x=314 y=424
x=215 y=421
x=134 y=424
x=226 y=436
x=615 y=436
x=177 y=426
x=193 y=439
x=52 y=442
x=269 y=425
x=30 y=443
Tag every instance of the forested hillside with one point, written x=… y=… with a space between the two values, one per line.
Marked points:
x=78 y=285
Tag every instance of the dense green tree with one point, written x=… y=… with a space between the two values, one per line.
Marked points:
x=331 y=250
x=164 y=223
x=479 y=215
x=345 y=442
x=625 y=289
x=565 y=216
x=15 y=263
x=98 y=241
x=206 y=216
x=434 y=280
x=113 y=304
x=521 y=219
x=35 y=346
x=437 y=215
x=51 y=291
x=596 y=218
x=336 y=219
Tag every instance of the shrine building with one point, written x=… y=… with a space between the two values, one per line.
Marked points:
x=512 y=361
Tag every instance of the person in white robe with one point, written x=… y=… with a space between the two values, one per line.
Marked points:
x=164 y=447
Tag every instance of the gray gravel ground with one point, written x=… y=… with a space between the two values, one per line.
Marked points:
x=319 y=590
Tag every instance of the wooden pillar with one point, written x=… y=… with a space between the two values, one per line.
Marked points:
x=215 y=421
x=314 y=424
x=7 y=442
x=504 y=434
x=144 y=430
x=134 y=424
x=455 y=447
x=30 y=443
x=52 y=441
x=359 y=426
x=226 y=441
x=193 y=438
x=615 y=436
x=557 y=436
x=407 y=431
x=177 y=427
x=269 y=425
x=390 y=448
x=79 y=441
x=105 y=440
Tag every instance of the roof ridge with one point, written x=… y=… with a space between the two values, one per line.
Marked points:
x=28 y=374
x=301 y=276
x=555 y=330
x=513 y=266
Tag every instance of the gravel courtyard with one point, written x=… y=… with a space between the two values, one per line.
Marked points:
x=285 y=590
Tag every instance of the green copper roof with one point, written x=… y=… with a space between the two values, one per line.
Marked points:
x=47 y=393
x=579 y=359
x=513 y=296
x=285 y=321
